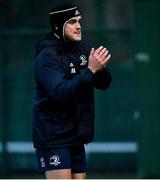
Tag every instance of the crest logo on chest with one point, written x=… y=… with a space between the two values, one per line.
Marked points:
x=83 y=60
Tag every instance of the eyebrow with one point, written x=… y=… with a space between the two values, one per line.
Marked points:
x=74 y=20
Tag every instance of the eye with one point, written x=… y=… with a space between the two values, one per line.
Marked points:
x=72 y=22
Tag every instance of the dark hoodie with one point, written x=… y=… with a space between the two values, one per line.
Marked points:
x=63 y=106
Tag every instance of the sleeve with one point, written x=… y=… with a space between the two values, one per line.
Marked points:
x=51 y=75
x=102 y=79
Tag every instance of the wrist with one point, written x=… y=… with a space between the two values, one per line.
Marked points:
x=92 y=70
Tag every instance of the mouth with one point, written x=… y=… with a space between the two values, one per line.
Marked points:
x=77 y=33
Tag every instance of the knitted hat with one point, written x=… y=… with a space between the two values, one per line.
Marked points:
x=60 y=15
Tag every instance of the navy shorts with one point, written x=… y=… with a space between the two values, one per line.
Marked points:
x=73 y=158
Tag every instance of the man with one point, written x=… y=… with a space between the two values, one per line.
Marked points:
x=66 y=71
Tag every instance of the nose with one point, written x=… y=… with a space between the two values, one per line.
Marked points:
x=78 y=25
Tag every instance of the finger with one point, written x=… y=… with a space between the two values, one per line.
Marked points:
x=97 y=51
x=107 y=59
x=91 y=52
x=102 y=52
x=104 y=56
x=105 y=53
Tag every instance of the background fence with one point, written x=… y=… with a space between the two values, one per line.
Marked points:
x=127 y=114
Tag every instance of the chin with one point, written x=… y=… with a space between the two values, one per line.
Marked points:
x=77 y=38
x=74 y=38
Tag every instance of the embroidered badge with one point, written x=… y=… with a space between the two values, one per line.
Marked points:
x=54 y=160
x=83 y=60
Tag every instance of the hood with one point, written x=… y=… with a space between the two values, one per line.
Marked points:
x=46 y=41
x=51 y=40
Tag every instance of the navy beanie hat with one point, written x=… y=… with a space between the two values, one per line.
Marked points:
x=60 y=15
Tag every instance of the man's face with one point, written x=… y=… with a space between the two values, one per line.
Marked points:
x=72 y=29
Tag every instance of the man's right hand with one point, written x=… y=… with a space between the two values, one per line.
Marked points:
x=98 y=59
